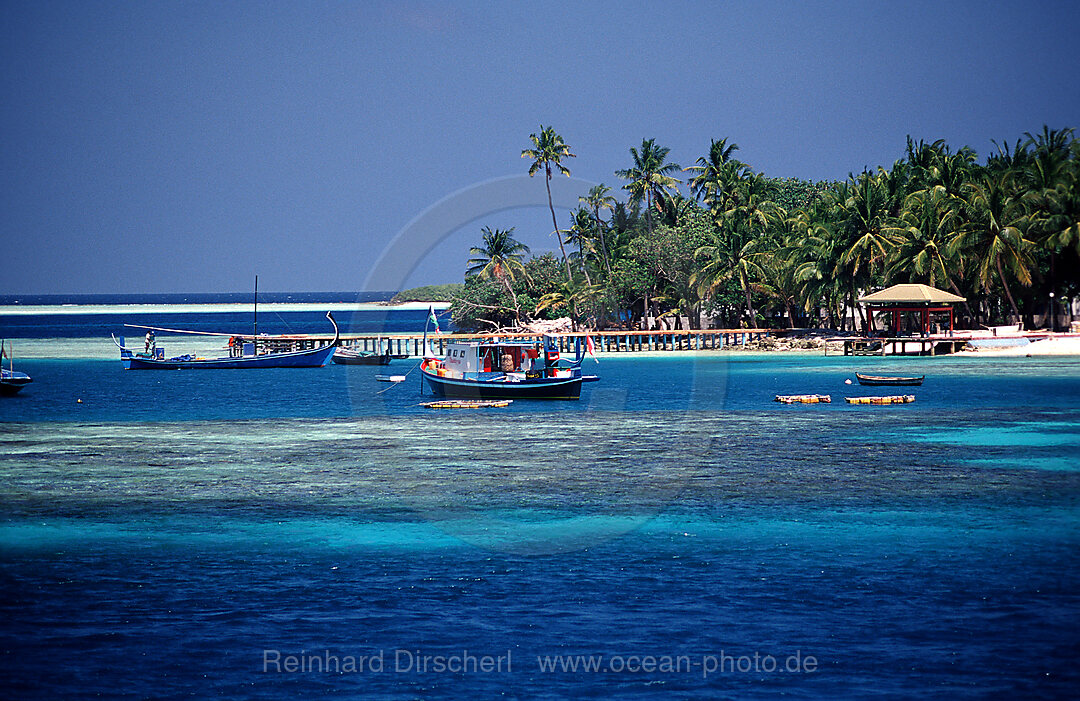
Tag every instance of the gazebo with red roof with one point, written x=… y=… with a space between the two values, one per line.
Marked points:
x=909 y=298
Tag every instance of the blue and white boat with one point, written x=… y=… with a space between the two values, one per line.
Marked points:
x=10 y=380
x=243 y=352
x=505 y=369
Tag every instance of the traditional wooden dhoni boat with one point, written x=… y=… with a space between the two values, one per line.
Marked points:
x=884 y=381
x=242 y=352
x=10 y=380
x=494 y=369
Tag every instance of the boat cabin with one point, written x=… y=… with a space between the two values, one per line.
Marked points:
x=472 y=360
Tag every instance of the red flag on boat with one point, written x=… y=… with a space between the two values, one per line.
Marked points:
x=590 y=348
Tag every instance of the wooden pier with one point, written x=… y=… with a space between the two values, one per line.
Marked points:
x=901 y=345
x=411 y=344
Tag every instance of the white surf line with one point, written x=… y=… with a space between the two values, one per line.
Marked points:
x=236 y=308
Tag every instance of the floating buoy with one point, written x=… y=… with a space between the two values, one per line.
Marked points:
x=78 y=401
x=894 y=399
x=804 y=398
x=847 y=381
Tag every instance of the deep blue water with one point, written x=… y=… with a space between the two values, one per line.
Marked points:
x=58 y=324
x=193 y=298
x=186 y=534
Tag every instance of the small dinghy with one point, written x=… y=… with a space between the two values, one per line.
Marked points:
x=351 y=356
x=885 y=381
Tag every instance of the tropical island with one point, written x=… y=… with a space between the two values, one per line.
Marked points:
x=718 y=243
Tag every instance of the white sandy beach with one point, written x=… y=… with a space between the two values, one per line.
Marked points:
x=1064 y=345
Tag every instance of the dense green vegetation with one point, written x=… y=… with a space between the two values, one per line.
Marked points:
x=752 y=250
x=428 y=293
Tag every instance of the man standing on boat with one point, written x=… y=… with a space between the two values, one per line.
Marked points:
x=151 y=342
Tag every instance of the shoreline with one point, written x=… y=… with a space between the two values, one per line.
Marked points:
x=225 y=307
x=93 y=348
x=1053 y=346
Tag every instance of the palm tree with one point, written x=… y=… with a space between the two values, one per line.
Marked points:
x=1049 y=158
x=750 y=214
x=995 y=235
x=599 y=197
x=778 y=275
x=569 y=295
x=867 y=233
x=549 y=150
x=581 y=224
x=728 y=257
x=715 y=171
x=500 y=257
x=650 y=176
x=1058 y=214
x=818 y=253
x=1015 y=158
x=925 y=228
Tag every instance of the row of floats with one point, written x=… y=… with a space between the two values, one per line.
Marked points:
x=827 y=399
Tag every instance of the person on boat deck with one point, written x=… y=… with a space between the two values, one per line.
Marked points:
x=151 y=342
x=532 y=360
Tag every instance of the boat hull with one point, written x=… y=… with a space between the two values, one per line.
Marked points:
x=11 y=382
x=314 y=358
x=533 y=388
x=371 y=359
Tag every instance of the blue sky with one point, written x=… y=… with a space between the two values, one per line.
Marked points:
x=187 y=146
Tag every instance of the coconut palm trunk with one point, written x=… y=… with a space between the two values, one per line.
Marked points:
x=584 y=268
x=555 y=223
x=956 y=291
x=513 y=296
x=751 y=312
x=1005 y=286
x=603 y=241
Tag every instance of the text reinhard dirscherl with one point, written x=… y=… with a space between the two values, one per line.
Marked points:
x=400 y=661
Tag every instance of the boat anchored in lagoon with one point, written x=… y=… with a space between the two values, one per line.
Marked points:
x=494 y=369
x=349 y=356
x=10 y=380
x=885 y=381
x=243 y=352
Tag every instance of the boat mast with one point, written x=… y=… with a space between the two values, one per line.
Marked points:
x=255 y=322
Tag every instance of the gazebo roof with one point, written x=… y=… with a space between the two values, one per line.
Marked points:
x=911 y=294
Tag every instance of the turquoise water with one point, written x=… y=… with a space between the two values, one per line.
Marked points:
x=171 y=533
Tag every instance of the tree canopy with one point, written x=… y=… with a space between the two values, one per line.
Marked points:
x=739 y=248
